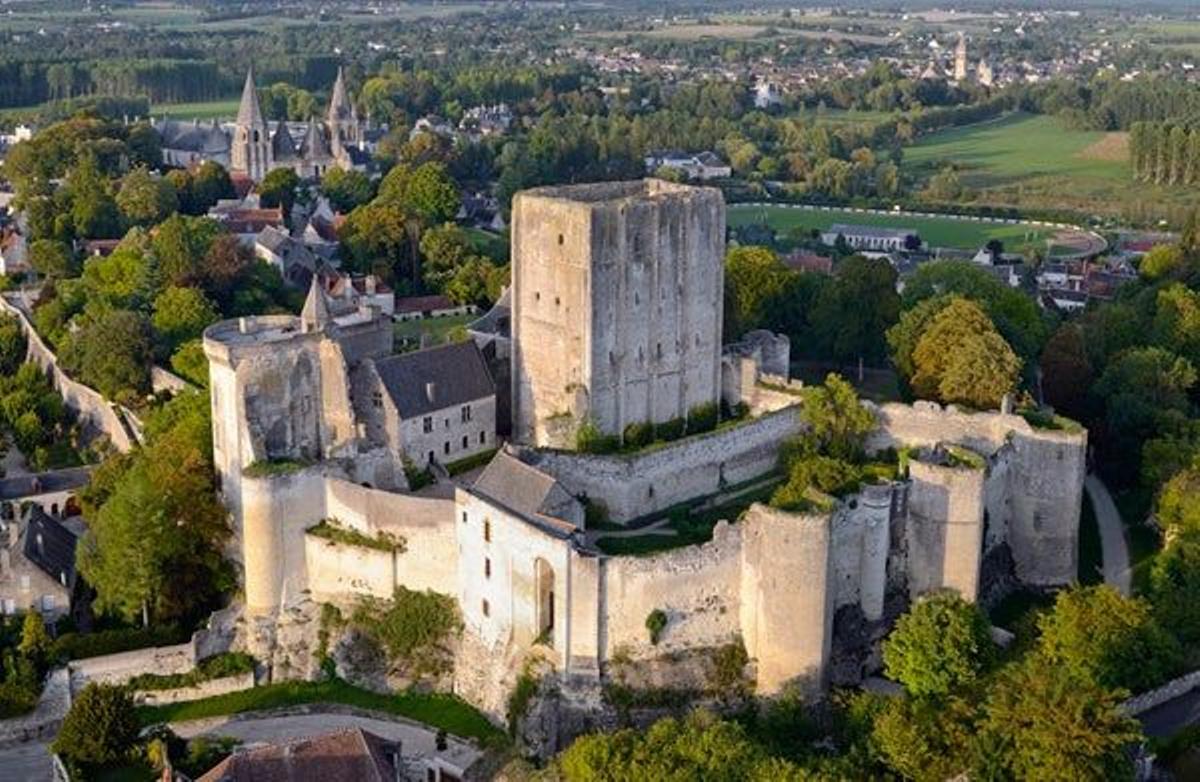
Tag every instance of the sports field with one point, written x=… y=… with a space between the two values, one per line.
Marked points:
x=937 y=231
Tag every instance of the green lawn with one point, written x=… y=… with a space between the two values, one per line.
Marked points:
x=437 y=710
x=214 y=109
x=937 y=231
x=408 y=334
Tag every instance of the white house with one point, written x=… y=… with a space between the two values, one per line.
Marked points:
x=872 y=238
x=698 y=165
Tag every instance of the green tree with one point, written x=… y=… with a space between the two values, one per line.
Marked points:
x=154 y=546
x=904 y=336
x=181 y=314
x=1049 y=726
x=431 y=194
x=35 y=641
x=377 y=240
x=1163 y=260
x=444 y=249
x=1178 y=503
x=837 y=421
x=941 y=645
x=754 y=277
x=1175 y=587
x=471 y=282
x=961 y=358
x=190 y=363
x=1098 y=634
x=854 y=313
x=944 y=186
x=210 y=184
x=278 y=188
x=101 y=726
x=51 y=258
x=125 y=279
x=111 y=353
x=146 y=199
x=1177 y=321
x=699 y=747
x=180 y=245
x=346 y=189
x=94 y=213
x=13 y=345
x=927 y=740
x=1066 y=370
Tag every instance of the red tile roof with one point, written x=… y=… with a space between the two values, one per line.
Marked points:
x=352 y=754
x=424 y=304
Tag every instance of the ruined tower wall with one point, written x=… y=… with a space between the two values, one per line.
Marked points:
x=945 y=528
x=787 y=596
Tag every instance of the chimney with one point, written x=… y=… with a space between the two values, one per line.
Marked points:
x=430 y=387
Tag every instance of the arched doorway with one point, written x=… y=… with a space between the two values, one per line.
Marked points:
x=544 y=594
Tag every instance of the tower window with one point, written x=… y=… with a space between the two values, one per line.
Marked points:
x=560 y=240
x=487 y=567
x=427 y=424
x=376 y=399
x=487 y=609
x=487 y=531
x=464 y=442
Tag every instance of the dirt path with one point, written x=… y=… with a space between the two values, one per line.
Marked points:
x=1112 y=536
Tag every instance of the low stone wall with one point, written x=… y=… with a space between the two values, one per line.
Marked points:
x=208 y=689
x=121 y=667
x=92 y=409
x=1173 y=689
x=43 y=722
x=635 y=485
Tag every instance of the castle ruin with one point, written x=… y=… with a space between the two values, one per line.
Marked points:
x=604 y=275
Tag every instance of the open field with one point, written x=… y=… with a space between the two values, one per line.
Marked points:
x=937 y=231
x=737 y=30
x=1032 y=161
x=214 y=109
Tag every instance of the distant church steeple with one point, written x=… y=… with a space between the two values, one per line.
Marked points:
x=342 y=119
x=250 y=152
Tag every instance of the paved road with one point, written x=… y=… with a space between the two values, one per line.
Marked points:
x=1112 y=536
x=26 y=763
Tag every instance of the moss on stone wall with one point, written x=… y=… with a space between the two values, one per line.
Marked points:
x=332 y=530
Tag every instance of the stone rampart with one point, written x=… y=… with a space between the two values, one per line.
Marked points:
x=1139 y=704
x=119 y=668
x=660 y=477
x=44 y=721
x=283 y=563
x=88 y=404
x=208 y=689
x=698 y=588
x=945 y=528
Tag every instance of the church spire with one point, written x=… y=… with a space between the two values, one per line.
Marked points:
x=249 y=112
x=339 y=101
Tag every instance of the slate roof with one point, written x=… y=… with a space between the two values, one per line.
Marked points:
x=50 y=546
x=408 y=304
x=249 y=113
x=527 y=491
x=192 y=136
x=435 y=378
x=353 y=754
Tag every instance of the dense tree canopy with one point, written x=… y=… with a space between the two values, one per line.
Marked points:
x=961 y=358
x=941 y=645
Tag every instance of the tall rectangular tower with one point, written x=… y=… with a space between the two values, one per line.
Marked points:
x=617 y=304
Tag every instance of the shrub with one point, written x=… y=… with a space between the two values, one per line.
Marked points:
x=270 y=468
x=702 y=418
x=638 y=435
x=412 y=627
x=101 y=726
x=595 y=514
x=656 y=622
x=215 y=667
x=16 y=698
x=78 y=646
x=822 y=473
x=729 y=666
x=332 y=530
x=520 y=698
x=670 y=430
x=941 y=644
x=589 y=439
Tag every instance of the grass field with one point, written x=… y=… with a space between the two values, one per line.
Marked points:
x=937 y=231
x=213 y=109
x=409 y=333
x=1030 y=161
x=438 y=710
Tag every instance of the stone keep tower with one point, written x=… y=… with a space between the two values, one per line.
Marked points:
x=250 y=152
x=960 y=59
x=617 y=306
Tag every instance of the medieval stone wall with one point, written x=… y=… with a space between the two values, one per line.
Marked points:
x=96 y=414
x=698 y=588
x=617 y=292
x=660 y=477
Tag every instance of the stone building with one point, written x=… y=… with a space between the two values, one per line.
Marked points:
x=616 y=306
x=37 y=563
x=431 y=405
x=253 y=146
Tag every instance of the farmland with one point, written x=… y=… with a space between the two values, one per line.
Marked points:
x=1034 y=162
x=215 y=109
x=946 y=232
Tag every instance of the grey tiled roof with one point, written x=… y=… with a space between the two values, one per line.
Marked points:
x=527 y=491
x=435 y=378
x=50 y=546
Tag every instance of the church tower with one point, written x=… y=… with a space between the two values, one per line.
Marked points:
x=960 y=59
x=250 y=152
x=342 y=119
